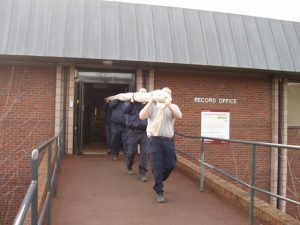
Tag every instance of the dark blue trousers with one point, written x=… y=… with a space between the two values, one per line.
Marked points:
x=108 y=135
x=118 y=139
x=163 y=159
x=136 y=137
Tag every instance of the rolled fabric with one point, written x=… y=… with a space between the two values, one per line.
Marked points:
x=142 y=97
x=121 y=97
x=161 y=98
x=157 y=96
x=154 y=128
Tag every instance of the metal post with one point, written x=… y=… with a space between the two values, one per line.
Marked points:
x=34 y=175
x=49 y=173
x=251 y=214
x=59 y=150
x=202 y=166
x=57 y=163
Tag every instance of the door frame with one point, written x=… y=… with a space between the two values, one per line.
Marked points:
x=79 y=94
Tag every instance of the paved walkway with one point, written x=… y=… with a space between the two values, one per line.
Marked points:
x=95 y=190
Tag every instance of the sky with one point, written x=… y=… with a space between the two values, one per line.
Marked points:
x=275 y=9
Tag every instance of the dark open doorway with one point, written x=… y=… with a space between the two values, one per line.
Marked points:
x=89 y=116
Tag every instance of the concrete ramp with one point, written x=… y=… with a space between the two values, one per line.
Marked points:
x=95 y=190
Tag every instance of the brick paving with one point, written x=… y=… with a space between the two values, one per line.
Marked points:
x=95 y=190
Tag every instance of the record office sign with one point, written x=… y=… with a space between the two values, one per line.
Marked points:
x=232 y=101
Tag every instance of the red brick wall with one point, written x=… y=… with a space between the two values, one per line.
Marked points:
x=250 y=119
x=293 y=184
x=27 y=112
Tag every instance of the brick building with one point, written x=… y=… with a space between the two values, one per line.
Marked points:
x=56 y=57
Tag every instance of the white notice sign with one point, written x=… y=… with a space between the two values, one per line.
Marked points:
x=215 y=124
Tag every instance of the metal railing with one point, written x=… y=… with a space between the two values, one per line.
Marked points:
x=252 y=186
x=31 y=196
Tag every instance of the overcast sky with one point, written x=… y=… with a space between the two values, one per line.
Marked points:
x=276 y=9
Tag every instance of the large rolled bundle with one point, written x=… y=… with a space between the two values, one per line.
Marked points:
x=121 y=97
x=157 y=96
x=162 y=98
x=142 y=97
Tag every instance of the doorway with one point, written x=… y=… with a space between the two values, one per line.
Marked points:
x=89 y=117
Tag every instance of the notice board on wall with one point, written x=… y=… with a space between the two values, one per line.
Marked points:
x=216 y=124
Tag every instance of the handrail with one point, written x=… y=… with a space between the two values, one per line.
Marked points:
x=241 y=142
x=31 y=196
x=45 y=144
x=252 y=187
x=26 y=203
x=257 y=143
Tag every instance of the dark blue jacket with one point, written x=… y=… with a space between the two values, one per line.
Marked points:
x=132 y=111
x=107 y=110
x=117 y=116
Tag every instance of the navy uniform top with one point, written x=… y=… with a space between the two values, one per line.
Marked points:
x=132 y=110
x=117 y=116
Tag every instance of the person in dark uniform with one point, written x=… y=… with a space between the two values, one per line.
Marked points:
x=107 y=123
x=136 y=136
x=161 y=141
x=87 y=122
x=118 y=128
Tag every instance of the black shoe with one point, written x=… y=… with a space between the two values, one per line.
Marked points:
x=160 y=198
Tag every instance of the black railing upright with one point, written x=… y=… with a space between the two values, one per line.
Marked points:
x=31 y=196
x=251 y=186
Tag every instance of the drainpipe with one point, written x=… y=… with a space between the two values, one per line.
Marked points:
x=151 y=79
x=139 y=79
x=274 y=151
x=64 y=108
x=282 y=139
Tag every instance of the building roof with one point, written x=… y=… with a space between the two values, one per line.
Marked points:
x=94 y=29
